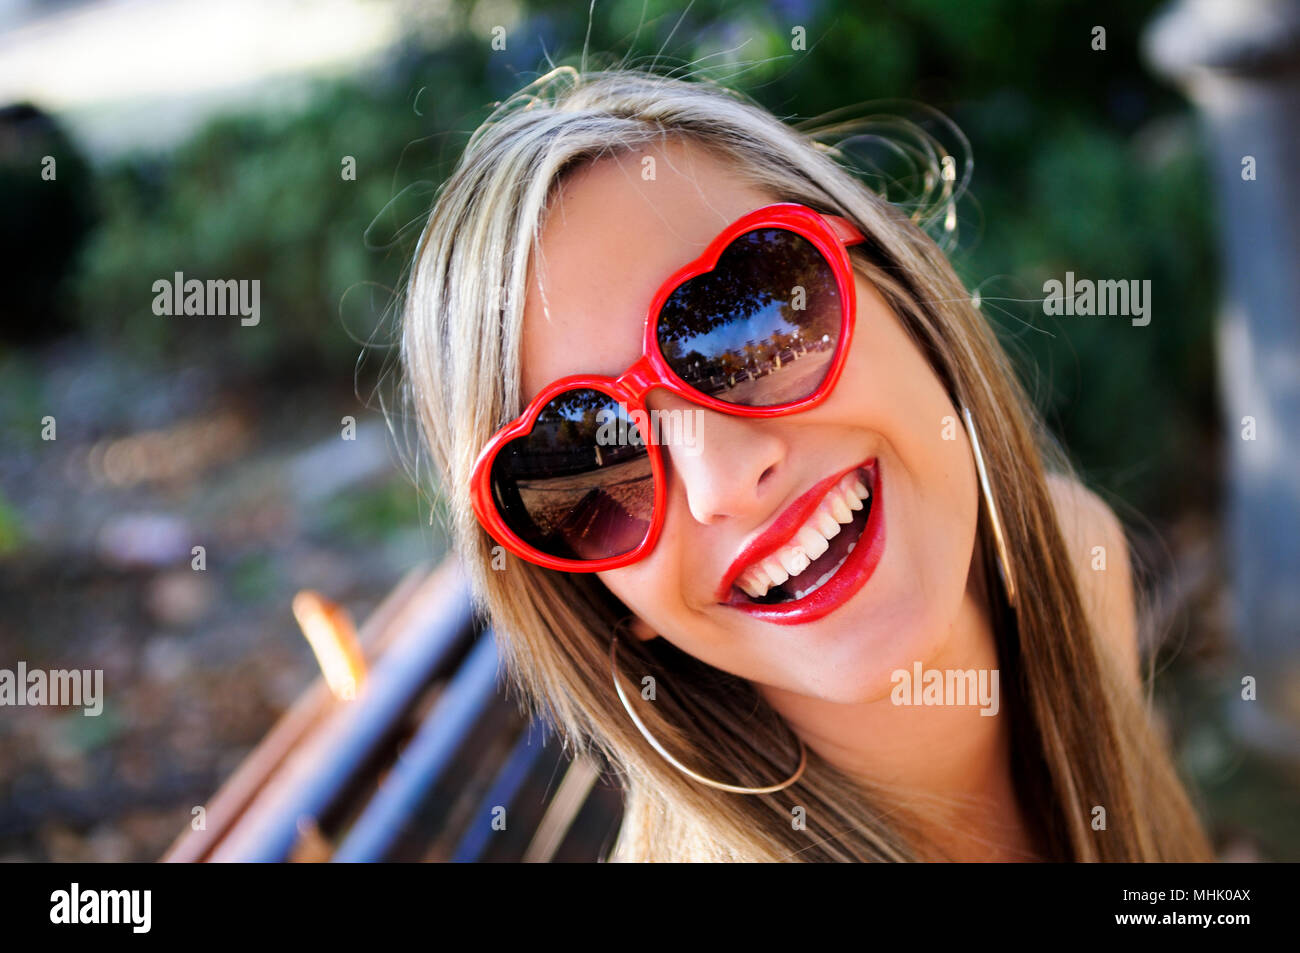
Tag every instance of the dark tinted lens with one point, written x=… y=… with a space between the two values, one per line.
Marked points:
x=579 y=486
x=761 y=328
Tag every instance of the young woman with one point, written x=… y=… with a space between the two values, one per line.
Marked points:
x=844 y=609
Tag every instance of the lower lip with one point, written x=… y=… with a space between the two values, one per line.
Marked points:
x=848 y=579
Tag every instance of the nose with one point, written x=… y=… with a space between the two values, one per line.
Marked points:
x=726 y=464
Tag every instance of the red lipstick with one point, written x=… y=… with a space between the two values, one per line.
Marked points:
x=848 y=579
x=782 y=529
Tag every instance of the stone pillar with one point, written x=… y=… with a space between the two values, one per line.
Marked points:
x=1238 y=61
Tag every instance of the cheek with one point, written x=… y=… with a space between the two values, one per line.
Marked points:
x=896 y=393
x=650 y=589
x=928 y=476
x=663 y=588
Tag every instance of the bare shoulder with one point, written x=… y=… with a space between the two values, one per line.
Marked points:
x=1098 y=552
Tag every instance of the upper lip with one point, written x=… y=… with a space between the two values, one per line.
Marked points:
x=781 y=530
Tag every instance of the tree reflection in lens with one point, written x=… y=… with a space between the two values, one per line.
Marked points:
x=560 y=490
x=761 y=328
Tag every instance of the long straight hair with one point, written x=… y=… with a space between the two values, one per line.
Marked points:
x=1081 y=738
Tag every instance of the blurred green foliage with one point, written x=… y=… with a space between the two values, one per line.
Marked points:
x=22 y=394
x=263 y=196
x=252 y=197
x=255 y=578
x=1083 y=163
x=11 y=528
x=369 y=515
x=84 y=734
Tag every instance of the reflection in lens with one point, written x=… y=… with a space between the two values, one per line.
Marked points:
x=579 y=486
x=759 y=329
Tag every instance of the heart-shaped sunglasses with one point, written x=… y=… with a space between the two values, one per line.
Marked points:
x=759 y=325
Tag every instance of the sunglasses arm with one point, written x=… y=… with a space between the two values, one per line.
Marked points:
x=845 y=230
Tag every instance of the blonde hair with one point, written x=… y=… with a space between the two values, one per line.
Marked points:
x=1080 y=737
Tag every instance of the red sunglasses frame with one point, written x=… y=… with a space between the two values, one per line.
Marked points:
x=830 y=234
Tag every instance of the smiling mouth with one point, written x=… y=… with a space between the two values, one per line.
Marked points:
x=815 y=552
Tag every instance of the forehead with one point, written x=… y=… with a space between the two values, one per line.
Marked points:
x=616 y=229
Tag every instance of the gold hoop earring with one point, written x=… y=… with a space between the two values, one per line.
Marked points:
x=654 y=743
x=999 y=539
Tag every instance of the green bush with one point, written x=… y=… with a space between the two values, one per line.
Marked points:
x=263 y=197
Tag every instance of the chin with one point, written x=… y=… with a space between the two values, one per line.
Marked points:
x=850 y=657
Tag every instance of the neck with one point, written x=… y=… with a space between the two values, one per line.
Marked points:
x=951 y=764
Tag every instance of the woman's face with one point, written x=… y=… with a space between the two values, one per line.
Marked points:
x=610 y=241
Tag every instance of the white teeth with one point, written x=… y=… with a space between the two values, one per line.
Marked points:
x=775 y=571
x=754 y=581
x=827 y=525
x=793 y=560
x=840 y=510
x=810 y=542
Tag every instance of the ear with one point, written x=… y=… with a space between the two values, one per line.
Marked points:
x=640 y=630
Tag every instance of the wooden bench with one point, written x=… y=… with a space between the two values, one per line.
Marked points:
x=429 y=761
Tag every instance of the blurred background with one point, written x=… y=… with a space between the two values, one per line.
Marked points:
x=210 y=138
